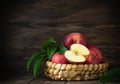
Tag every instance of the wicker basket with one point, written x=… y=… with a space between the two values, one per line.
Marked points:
x=75 y=71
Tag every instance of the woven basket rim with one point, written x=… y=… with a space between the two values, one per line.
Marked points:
x=102 y=62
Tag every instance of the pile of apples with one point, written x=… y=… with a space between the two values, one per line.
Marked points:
x=79 y=51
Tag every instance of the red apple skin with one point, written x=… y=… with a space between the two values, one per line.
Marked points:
x=74 y=37
x=95 y=55
x=59 y=58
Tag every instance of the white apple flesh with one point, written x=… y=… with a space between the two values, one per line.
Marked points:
x=74 y=57
x=80 y=48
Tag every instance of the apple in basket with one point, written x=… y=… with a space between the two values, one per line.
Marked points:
x=77 y=53
x=59 y=58
x=74 y=37
x=95 y=55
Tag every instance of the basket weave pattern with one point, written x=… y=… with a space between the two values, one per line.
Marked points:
x=75 y=71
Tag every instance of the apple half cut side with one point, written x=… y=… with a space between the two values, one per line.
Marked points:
x=83 y=50
x=74 y=57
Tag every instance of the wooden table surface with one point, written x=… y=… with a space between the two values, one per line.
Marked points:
x=27 y=78
x=25 y=24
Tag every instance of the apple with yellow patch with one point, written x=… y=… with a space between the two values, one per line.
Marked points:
x=77 y=53
x=74 y=37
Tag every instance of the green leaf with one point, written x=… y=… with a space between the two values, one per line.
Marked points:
x=62 y=49
x=111 y=75
x=51 y=49
x=48 y=48
x=33 y=58
x=37 y=65
x=51 y=40
x=46 y=43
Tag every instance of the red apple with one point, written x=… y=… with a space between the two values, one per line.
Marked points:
x=74 y=37
x=95 y=55
x=59 y=58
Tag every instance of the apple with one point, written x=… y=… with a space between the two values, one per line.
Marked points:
x=73 y=57
x=77 y=53
x=83 y=50
x=74 y=37
x=59 y=58
x=95 y=55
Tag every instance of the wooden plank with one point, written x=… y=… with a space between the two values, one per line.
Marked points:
x=28 y=79
x=23 y=37
x=38 y=81
x=90 y=82
x=44 y=11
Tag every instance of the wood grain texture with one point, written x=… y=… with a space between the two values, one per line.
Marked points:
x=26 y=78
x=26 y=24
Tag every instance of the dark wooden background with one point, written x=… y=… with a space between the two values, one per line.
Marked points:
x=26 y=23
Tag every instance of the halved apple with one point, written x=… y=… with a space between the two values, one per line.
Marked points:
x=79 y=48
x=74 y=57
